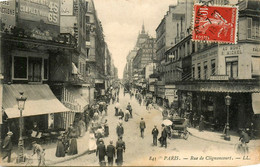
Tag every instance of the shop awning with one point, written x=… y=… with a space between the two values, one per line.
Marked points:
x=256 y=102
x=40 y=100
x=77 y=94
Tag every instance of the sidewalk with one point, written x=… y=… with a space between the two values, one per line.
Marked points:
x=219 y=138
x=50 y=150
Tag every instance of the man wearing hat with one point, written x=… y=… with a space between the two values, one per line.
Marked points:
x=142 y=127
x=164 y=136
x=155 y=133
x=120 y=130
x=111 y=152
x=101 y=151
x=120 y=147
x=7 y=146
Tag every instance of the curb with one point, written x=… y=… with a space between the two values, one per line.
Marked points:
x=218 y=141
x=68 y=159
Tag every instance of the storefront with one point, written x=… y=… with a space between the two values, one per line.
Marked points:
x=208 y=99
x=41 y=107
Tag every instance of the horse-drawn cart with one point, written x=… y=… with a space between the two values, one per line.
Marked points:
x=179 y=126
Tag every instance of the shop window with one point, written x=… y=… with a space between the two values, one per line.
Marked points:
x=205 y=69
x=20 y=67
x=255 y=65
x=213 y=67
x=199 y=71
x=45 y=69
x=232 y=67
x=35 y=69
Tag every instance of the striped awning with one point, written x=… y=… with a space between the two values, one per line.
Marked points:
x=40 y=100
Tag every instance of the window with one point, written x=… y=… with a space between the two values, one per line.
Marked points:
x=193 y=71
x=20 y=67
x=193 y=47
x=213 y=67
x=205 y=69
x=45 y=69
x=35 y=69
x=87 y=19
x=255 y=29
x=255 y=65
x=198 y=70
x=232 y=66
x=88 y=35
x=249 y=27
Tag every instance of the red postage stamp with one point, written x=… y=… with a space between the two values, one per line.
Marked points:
x=215 y=23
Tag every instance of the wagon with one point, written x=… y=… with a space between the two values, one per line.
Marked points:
x=180 y=126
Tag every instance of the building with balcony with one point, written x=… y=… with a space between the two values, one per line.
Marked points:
x=218 y=70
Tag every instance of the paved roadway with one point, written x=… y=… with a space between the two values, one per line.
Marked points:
x=140 y=152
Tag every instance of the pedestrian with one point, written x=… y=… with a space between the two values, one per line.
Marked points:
x=65 y=142
x=129 y=108
x=82 y=127
x=155 y=133
x=116 y=111
x=101 y=152
x=142 y=127
x=111 y=153
x=120 y=148
x=163 y=138
x=140 y=101
x=121 y=113
x=120 y=130
x=8 y=146
x=73 y=148
x=106 y=128
x=165 y=114
x=60 y=150
x=127 y=115
x=201 y=124
x=40 y=153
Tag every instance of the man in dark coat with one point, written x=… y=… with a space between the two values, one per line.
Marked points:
x=129 y=108
x=120 y=130
x=142 y=127
x=101 y=151
x=120 y=147
x=155 y=133
x=111 y=152
x=8 y=146
x=164 y=137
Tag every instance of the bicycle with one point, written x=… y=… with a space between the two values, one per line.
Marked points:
x=241 y=148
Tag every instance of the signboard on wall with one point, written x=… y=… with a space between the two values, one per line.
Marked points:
x=48 y=11
x=7 y=10
x=66 y=8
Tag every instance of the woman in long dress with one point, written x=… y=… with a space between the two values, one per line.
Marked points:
x=73 y=149
x=60 y=150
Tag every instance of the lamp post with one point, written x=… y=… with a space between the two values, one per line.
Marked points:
x=20 y=102
x=228 y=102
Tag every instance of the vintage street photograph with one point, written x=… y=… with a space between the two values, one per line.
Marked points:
x=129 y=82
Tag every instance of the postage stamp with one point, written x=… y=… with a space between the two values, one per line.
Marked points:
x=215 y=23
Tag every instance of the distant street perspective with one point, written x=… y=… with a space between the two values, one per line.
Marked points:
x=129 y=82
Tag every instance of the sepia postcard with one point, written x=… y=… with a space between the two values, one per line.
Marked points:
x=130 y=82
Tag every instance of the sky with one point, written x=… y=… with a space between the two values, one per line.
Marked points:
x=122 y=20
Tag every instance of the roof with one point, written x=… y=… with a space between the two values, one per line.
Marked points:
x=40 y=100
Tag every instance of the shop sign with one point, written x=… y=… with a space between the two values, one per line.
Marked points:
x=35 y=10
x=170 y=92
x=219 y=77
x=7 y=10
x=45 y=35
x=66 y=8
x=231 y=50
x=205 y=55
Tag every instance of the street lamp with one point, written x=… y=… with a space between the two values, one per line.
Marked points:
x=20 y=102
x=228 y=102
